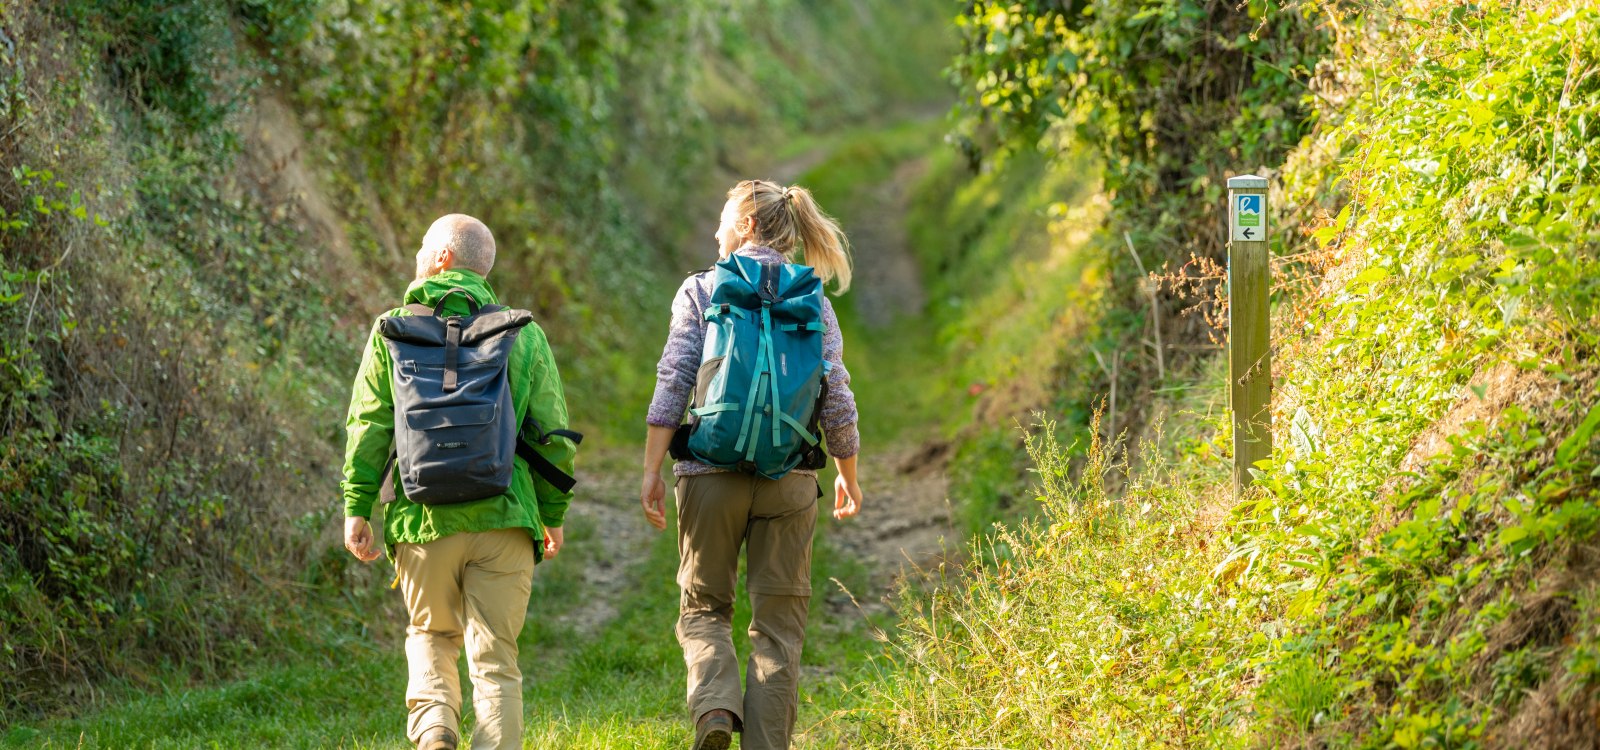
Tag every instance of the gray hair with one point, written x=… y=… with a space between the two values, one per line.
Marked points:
x=468 y=239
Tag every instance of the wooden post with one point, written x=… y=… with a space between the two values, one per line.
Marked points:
x=1249 y=339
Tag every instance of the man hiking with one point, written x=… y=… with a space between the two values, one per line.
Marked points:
x=755 y=358
x=458 y=411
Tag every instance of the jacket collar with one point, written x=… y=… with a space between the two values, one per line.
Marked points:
x=761 y=253
x=430 y=290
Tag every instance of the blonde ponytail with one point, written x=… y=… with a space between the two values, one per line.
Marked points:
x=789 y=216
x=826 y=248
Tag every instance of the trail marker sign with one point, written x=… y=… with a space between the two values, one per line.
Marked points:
x=1247 y=219
x=1249 y=334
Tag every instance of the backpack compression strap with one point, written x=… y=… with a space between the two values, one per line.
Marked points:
x=766 y=286
x=562 y=481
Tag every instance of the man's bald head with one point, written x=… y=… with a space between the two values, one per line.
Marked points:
x=456 y=241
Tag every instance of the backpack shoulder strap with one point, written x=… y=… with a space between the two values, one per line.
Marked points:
x=420 y=309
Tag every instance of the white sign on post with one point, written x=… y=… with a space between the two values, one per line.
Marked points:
x=1248 y=218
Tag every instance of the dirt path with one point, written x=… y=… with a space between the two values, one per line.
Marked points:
x=906 y=520
x=888 y=281
x=607 y=503
x=789 y=170
x=905 y=524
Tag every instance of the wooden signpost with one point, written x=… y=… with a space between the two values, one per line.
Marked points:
x=1249 y=352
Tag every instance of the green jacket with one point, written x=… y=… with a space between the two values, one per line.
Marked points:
x=532 y=503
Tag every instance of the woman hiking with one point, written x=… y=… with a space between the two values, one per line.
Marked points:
x=747 y=465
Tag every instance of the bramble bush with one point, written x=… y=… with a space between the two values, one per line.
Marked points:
x=1167 y=98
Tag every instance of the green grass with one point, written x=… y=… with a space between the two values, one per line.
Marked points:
x=622 y=687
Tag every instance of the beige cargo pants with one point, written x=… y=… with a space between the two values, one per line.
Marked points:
x=472 y=588
x=773 y=520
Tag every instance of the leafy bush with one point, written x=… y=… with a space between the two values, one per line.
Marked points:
x=1164 y=99
x=1174 y=94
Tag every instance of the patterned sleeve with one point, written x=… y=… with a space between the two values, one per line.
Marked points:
x=680 y=359
x=839 y=415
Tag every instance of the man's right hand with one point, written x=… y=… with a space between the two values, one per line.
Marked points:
x=358 y=539
x=653 y=495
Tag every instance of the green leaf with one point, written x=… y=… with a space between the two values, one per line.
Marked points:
x=1580 y=438
x=1372 y=275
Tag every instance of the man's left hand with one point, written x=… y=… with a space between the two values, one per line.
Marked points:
x=552 y=541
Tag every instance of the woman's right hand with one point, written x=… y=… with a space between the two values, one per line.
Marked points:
x=652 y=496
x=846 y=498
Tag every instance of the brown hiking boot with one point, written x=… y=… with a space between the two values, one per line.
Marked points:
x=440 y=738
x=714 y=730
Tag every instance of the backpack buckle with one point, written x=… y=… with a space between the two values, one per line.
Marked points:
x=767 y=287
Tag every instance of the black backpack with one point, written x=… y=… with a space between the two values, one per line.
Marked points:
x=455 y=430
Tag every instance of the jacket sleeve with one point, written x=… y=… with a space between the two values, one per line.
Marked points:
x=548 y=405
x=680 y=360
x=839 y=417
x=369 y=430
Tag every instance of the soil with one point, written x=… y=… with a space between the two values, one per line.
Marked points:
x=888 y=282
x=607 y=502
x=904 y=524
x=274 y=150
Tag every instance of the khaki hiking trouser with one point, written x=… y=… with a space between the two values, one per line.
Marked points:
x=470 y=587
x=773 y=520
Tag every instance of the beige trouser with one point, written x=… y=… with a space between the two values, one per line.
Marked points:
x=717 y=513
x=472 y=587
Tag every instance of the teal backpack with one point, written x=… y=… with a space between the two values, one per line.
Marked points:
x=762 y=378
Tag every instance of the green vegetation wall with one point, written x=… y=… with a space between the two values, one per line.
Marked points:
x=203 y=205
x=1091 y=150
x=1173 y=96
x=1416 y=566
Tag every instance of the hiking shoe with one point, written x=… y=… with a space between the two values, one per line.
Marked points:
x=714 y=730
x=441 y=738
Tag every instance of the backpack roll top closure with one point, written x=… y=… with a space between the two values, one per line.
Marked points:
x=761 y=368
x=455 y=426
